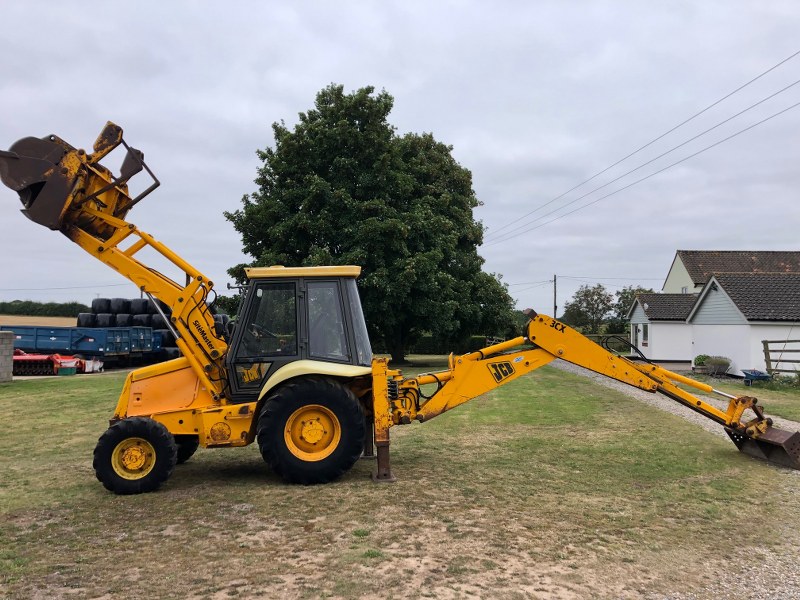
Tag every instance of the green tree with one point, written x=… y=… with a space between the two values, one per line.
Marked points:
x=588 y=308
x=623 y=301
x=342 y=188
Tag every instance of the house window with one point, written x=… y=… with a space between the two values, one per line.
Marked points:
x=645 y=332
x=684 y=290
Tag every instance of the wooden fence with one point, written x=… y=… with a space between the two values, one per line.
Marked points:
x=774 y=352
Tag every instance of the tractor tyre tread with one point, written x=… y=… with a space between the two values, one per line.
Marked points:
x=152 y=431
x=289 y=398
x=187 y=446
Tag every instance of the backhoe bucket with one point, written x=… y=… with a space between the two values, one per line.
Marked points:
x=32 y=169
x=774 y=445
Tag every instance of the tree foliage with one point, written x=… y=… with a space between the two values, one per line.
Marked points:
x=623 y=301
x=588 y=308
x=42 y=309
x=341 y=187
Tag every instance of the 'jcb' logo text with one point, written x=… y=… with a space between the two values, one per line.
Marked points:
x=501 y=370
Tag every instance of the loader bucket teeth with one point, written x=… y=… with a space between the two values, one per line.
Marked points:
x=774 y=445
x=31 y=168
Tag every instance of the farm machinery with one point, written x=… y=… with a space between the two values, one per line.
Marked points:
x=295 y=372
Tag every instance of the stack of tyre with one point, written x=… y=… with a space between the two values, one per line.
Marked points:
x=134 y=312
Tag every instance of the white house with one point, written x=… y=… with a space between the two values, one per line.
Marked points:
x=736 y=311
x=658 y=326
x=720 y=303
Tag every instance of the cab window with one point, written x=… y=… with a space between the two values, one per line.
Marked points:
x=326 y=327
x=270 y=328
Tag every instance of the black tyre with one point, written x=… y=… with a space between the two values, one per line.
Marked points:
x=167 y=339
x=141 y=320
x=171 y=353
x=101 y=305
x=105 y=320
x=157 y=322
x=187 y=446
x=86 y=320
x=311 y=430
x=120 y=305
x=123 y=320
x=135 y=456
x=139 y=305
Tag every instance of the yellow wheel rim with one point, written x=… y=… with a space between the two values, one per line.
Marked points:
x=312 y=433
x=133 y=458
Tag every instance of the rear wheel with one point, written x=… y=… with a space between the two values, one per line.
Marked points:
x=311 y=431
x=187 y=446
x=135 y=456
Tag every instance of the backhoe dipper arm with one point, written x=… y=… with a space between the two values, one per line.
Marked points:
x=546 y=339
x=67 y=189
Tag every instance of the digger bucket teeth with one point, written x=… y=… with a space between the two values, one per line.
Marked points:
x=774 y=445
x=31 y=168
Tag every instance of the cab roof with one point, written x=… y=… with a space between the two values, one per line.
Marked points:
x=281 y=271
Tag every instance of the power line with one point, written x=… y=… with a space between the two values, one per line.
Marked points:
x=611 y=278
x=530 y=282
x=650 y=143
x=662 y=155
x=538 y=285
x=646 y=177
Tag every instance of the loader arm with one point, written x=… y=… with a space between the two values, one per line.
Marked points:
x=402 y=400
x=67 y=189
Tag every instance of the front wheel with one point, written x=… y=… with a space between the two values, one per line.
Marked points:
x=311 y=430
x=135 y=456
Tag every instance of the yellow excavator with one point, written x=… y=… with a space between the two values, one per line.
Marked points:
x=295 y=372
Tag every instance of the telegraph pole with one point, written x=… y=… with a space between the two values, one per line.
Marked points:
x=555 y=306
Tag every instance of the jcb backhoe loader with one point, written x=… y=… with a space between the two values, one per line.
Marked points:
x=297 y=372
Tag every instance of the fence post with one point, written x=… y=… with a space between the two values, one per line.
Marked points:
x=767 y=359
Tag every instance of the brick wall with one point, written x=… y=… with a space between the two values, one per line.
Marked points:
x=6 y=352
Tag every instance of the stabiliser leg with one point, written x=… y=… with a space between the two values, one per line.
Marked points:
x=383 y=472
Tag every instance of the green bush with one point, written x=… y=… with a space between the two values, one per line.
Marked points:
x=700 y=360
x=29 y=308
x=717 y=365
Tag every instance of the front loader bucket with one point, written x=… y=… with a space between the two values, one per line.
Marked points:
x=774 y=445
x=32 y=168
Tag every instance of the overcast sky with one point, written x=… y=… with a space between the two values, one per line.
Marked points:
x=534 y=97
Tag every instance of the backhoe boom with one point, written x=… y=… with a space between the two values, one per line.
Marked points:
x=545 y=340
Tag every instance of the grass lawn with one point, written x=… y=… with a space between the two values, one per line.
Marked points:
x=549 y=485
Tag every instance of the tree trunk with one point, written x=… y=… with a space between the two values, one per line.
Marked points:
x=397 y=350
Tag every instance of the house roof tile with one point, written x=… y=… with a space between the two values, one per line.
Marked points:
x=667 y=307
x=701 y=264
x=763 y=296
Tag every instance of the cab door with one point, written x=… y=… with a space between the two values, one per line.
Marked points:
x=266 y=336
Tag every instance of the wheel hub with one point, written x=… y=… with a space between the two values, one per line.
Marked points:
x=133 y=458
x=312 y=432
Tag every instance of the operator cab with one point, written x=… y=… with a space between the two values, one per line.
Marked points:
x=291 y=314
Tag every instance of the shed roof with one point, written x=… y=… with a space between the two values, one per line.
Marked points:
x=666 y=307
x=701 y=264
